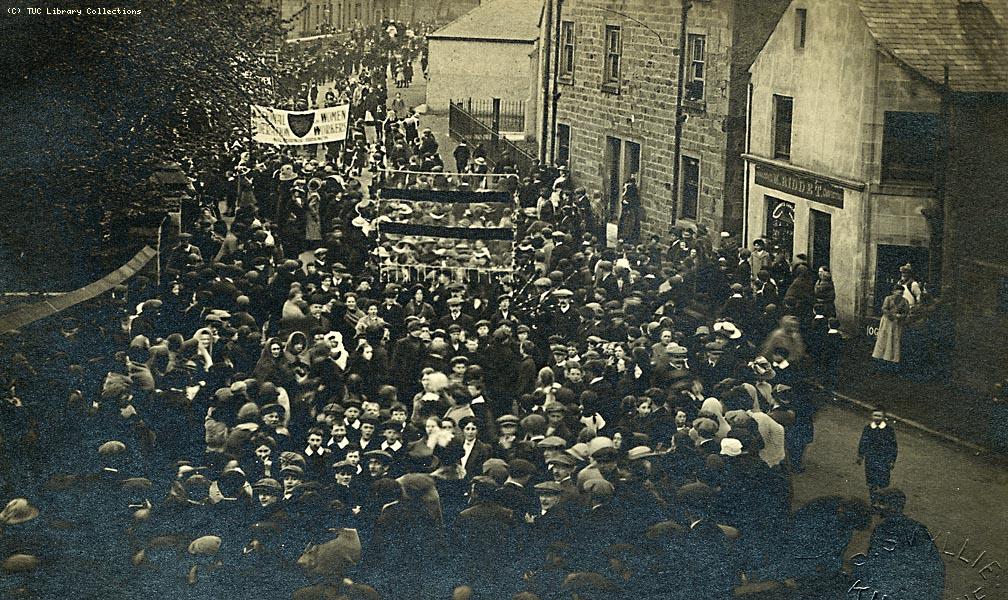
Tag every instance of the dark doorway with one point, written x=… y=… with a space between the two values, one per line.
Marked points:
x=612 y=175
x=563 y=144
x=819 y=241
x=631 y=160
x=887 y=263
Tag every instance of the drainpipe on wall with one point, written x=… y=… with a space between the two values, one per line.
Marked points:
x=747 y=181
x=860 y=291
x=942 y=244
x=677 y=148
x=555 y=96
x=546 y=37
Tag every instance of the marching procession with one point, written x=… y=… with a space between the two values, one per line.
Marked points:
x=488 y=399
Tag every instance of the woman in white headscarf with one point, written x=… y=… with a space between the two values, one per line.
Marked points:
x=204 y=348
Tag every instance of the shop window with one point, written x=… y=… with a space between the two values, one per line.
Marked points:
x=909 y=147
x=780 y=225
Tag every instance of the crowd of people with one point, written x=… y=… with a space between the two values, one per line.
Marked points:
x=272 y=417
x=302 y=67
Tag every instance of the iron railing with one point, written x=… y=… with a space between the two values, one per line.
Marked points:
x=510 y=114
x=462 y=125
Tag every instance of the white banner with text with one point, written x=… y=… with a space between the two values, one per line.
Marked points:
x=299 y=128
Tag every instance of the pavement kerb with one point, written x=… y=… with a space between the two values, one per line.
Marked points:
x=867 y=406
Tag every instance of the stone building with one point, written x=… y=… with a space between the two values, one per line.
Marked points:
x=309 y=18
x=850 y=142
x=434 y=11
x=490 y=52
x=975 y=241
x=616 y=70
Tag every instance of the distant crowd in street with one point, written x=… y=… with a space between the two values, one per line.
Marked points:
x=271 y=416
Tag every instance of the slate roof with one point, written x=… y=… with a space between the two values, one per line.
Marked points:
x=497 y=21
x=970 y=36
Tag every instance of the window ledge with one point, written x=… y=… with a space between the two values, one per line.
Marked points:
x=565 y=79
x=904 y=188
x=611 y=88
x=695 y=105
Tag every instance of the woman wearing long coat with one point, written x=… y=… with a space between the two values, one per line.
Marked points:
x=895 y=309
x=630 y=213
x=313 y=223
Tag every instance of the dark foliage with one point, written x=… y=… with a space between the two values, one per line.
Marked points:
x=90 y=104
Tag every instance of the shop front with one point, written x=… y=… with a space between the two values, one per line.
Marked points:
x=817 y=216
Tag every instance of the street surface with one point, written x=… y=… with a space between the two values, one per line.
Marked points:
x=960 y=497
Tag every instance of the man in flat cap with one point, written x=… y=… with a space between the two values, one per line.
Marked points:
x=562 y=468
x=503 y=313
x=267 y=492
x=517 y=493
x=566 y=320
x=600 y=527
x=485 y=529
x=379 y=462
x=507 y=434
x=712 y=368
x=408 y=355
x=552 y=525
x=455 y=315
x=292 y=476
x=392 y=312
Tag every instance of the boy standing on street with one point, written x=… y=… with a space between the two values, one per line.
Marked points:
x=877 y=450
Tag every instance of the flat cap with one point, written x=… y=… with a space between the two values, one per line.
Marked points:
x=562 y=459
x=379 y=455
x=520 y=467
x=695 y=495
x=267 y=485
x=599 y=488
x=552 y=442
x=548 y=488
x=292 y=470
x=507 y=420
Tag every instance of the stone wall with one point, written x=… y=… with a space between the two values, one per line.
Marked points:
x=976 y=259
x=643 y=110
x=842 y=85
x=480 y=70
x=830 y=80
x=896 y=209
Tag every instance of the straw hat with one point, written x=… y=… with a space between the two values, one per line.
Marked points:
x=18 y=511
